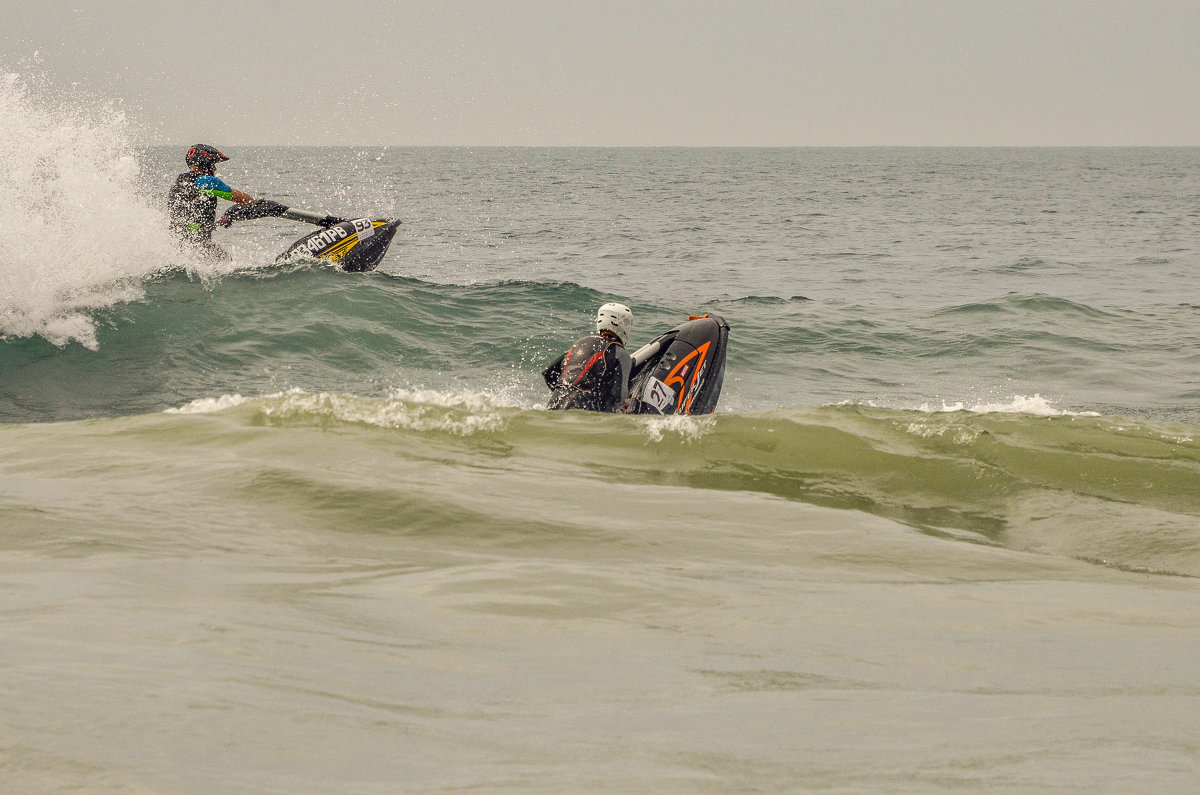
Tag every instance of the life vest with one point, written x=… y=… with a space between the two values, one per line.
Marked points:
x=585 y=365
x=585 y=380
x=193 y=214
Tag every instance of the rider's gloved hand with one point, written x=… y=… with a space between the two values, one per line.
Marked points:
x=225 y=221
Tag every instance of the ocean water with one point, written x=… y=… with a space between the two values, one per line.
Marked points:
x=273 y=528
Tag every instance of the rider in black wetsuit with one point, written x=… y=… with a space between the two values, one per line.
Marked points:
x=192 y=200
x=594 y=374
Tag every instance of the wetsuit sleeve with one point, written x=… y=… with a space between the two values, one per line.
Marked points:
x=214 y=186
x=626 y=369
x=624 y=365
x=552 y=372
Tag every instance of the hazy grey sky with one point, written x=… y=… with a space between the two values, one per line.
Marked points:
x=644 y=72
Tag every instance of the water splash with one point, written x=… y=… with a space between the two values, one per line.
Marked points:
x=80 y=234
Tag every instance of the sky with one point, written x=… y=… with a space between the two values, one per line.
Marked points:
x=618 y=73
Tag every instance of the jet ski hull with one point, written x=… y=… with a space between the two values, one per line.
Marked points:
x=357 y=245
x=681 y=371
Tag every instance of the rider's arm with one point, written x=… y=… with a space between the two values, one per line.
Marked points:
x=621 y=385
x=552 y=372
x=210 y=185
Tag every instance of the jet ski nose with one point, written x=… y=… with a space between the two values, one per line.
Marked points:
x=367 y=254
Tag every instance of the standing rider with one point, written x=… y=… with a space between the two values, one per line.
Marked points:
x=594 y=374
x=192 y=200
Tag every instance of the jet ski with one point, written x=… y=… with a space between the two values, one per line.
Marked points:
x=354 y=245
x=681 y=371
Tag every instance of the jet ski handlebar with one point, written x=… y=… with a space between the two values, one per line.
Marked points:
x=265 y=208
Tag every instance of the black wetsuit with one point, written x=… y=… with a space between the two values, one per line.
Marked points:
x=193 y=210
x=593 y=375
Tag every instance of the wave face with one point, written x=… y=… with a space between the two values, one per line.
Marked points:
x=1121 y=493
x=1021 y=477
x=185 y=335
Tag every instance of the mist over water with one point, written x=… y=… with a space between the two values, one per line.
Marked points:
x=943 y=531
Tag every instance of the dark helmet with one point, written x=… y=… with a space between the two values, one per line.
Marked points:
x=204 y=157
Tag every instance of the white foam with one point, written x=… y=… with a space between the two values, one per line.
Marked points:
x=1035 y=405
x=458 y=413
x=468 y=399
x=209 y=405
x=434 y=411
x=687 y=427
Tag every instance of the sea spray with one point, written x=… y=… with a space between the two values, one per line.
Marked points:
x=80 y=234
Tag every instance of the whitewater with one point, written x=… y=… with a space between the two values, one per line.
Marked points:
x=273 y=528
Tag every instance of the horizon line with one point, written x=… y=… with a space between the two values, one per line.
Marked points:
x=686 y=146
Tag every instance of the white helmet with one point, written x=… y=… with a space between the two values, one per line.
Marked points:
x=616 y=318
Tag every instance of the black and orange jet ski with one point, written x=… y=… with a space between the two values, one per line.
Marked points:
x=355 y=244
x=682 y=370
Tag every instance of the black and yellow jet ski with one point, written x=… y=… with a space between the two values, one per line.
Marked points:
x=355 y=244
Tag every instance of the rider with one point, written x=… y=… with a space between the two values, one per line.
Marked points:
x=594 y=373
x=192 y=200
